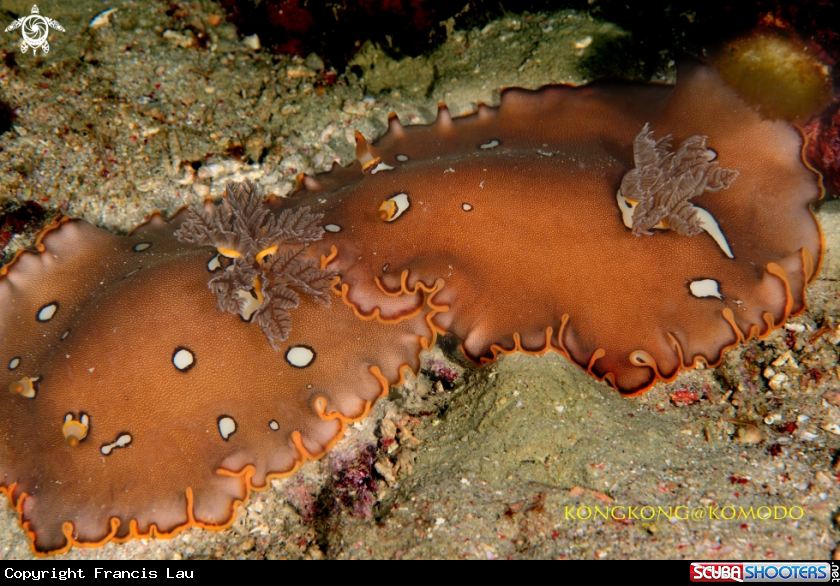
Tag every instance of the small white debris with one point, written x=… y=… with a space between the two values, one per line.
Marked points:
x=490 y=145
x=274 y=425
x=466 y=207
x=14 y=363
x=777 y=380
x=102 y=18
x=439 y=521
x=784 y=359
x=141 y=246
x=807 y=436
x=773 y=418
x=200 y=189
x=583 y=43
x=560 y=409
x=465 y=482
x=252 y=42
x=798 y=328
x=832 y=428
x=769 y=373
x=402 y=158
x=332 y=228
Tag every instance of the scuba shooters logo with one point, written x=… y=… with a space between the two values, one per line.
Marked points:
x=761 y=572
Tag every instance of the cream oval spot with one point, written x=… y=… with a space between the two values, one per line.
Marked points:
x=705 y=288
x=141 y=246
x=332 y=228
x=227 y=426
x=122 y=441
x=183 y=359
x=393 y=207
x=274 y=425
x=47 y=312
x=402 y=158
x=466 y=207
x=14 y=363
x=490 y=145
x=300 y=356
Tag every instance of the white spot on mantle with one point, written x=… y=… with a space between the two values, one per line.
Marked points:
x=120 y=442
x=705 y=288
x=300 y=356
x=47 y=312
x=227 y=427
x=183 y=359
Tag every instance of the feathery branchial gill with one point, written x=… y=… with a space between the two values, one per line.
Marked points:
x=264 y=260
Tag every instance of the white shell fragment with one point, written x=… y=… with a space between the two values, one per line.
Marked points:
x=705 y=288
x=490 y=145
x=274 y=425
x=227 y=427
x=332 y=228
x=120 y=442
x=777 y=381
x=102 y=18
x=14 y=363
x=183 y=359
x=47 y=312
x=402 y=158
x=252 y=42
x=300 y=356
x=466 y=207
x=140 y=247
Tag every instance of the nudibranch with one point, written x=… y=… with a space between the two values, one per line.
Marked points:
x=557 y=221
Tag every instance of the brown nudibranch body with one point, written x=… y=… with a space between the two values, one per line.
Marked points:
x=555 y=222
